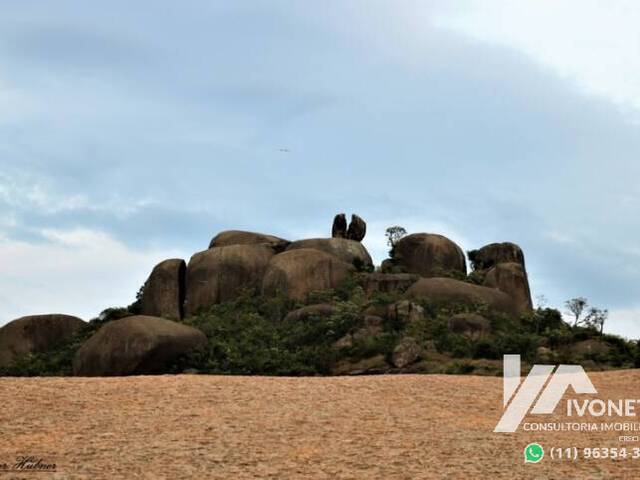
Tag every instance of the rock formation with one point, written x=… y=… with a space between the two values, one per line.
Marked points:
x=357 y=228
x=494 y=253
x=429 y=255
x=35 y=334
x=512 y=279
x=240 y=237
x=501 y=266
x=339 y=228
x=423 y=267
x=137 y=345
x=164 y=291
x=349 y=251
x=356 y=231
x=220 y=273
x=448 y=290
x=296 y=273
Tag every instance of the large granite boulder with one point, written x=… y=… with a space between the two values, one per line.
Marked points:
x=511 y=278
x=494 y=253
x=429 y=255
x=319 y=310
x=387 y=282
x=357 y=228
x=348 y=251
x=296 y=273
x=35 y=334
x=164 y=290
x=219 y=274
x=240 y=237
x=137 y=345
x=448 y=290
x=339 y=227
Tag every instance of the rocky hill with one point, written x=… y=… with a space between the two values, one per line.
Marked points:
x=254 y=303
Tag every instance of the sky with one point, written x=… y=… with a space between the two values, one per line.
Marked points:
x=131 y=132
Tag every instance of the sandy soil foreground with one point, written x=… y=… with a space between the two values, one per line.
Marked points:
x=381 y=427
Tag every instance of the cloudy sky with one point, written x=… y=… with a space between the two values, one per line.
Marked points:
x=134 y=131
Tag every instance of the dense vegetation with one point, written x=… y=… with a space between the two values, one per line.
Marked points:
x=250 y=335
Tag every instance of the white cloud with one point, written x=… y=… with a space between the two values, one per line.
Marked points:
x=78 y=272
x=624 y=322
x=593 y=43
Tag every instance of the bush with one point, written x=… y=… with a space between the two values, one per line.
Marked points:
x=247 y=338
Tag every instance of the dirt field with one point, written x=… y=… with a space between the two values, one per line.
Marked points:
x=381 y=427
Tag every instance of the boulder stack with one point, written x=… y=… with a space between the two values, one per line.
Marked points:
x=356 y=231
x=501 y=266
x=494 y=253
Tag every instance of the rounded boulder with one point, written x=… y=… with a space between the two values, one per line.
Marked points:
x=138 y=345
x=349 y=251
x=298 y=272
x=494 y=253
x=220 y=274
x=241 y=237
x=36 y=334
x=429 y=255
x=448 y=290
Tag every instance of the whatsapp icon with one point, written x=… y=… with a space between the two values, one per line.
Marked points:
x=533 y=453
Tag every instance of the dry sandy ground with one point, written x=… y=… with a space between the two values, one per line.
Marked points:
x=381 y=427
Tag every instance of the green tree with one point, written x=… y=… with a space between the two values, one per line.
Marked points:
x=596 y=318
x=394 y=234
x=576 y=307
